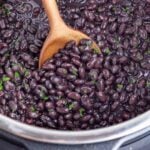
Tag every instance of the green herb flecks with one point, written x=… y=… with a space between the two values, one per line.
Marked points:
x=132 y=80
x=43 y=96
x=59 y=97
x=5 y=79
x=126 y=10
x=96 y=50
x=117 y=40
x=2 y=80
x=81 y=111
x=119 y=86
x=5 y=10
x=1 y=85
x=107 y=51
x=14 y=64
x=147 y=52
x=26 y=72
x=148 y=84
x=74 y=72
x=71 y=106
x=17 y=74
x=94 y=82
x=33 y=109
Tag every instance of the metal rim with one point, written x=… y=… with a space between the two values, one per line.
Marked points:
x=75 y=137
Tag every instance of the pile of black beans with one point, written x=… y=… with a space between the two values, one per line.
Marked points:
x=79 y=88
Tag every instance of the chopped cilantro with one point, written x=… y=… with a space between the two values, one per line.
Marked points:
x=70 y=106
x=1 y=85
x=33 y=109
x=96 y=50
x=17 y=75
x=45 y=98
x=5 y=79
x=119 y=86
x=1 y=82
x=7 y=11
x=132 y=80
x=94 y=81
x=148 y=84
x=74 y=71
x=14 y=64
x=107 y=51
x=81 y=111
x=148 y=52
x=126 y=10
x=26 y=72
x=59 y=97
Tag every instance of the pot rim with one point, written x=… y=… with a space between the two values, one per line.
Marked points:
x=75 y=137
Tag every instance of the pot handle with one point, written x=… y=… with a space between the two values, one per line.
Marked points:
x=130 y=138
x=16 y=143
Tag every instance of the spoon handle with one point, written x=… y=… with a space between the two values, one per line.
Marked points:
x=52 y=11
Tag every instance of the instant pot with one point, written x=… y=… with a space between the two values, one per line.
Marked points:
x=130 y=135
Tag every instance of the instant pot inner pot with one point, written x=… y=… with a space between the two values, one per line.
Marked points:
x=78 y=89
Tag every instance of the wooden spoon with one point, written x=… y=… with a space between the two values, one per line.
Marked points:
x=60 y=33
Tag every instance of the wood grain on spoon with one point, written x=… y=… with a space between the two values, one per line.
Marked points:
x=60 y=33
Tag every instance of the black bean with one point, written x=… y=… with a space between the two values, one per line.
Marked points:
x=2 y=24
x=62 y=72
x=34 y=48
x=62 y=110
x=86 y=118
x=8 y=33
x=133 y=99
x=13 y=106
x=86 y=90
x=93 y=74
x=33 y=115
x=74 y=96
x=113 y=27
x=122 y=28
x=86 y=102
x=114 y=105
x=102 y=97
x=76 y=62
x=9 y=86
x=38 y=43
x=143 y=34
x=53 y=114
x=82 y=73
x=91 y=63
x=106 y=73
x=115 y=69
x=123 y=59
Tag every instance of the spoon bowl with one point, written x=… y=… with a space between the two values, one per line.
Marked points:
x=60 y=33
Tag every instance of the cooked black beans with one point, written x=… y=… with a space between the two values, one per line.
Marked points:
x=79 y=88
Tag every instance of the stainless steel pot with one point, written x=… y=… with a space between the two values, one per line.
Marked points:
x=123 y=131
x=120 y=133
